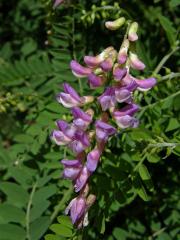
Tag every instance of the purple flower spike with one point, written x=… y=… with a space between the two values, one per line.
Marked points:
x=126 y=121
x=69 y=98
x=107 y=65
x=130 y=109
x=95 y=81
x=123 y=95
x=78 y=70
x=77 y=208
x=135 y=62
x=92 y=61
x=82 y=179
x=119 y=73
x=146 y=84
x=60 y=138
x=72 y=168
x=107 y=99
x=93 y=159
x=103 y=130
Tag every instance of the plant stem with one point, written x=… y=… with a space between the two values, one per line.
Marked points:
x=169 y=76
x=29 y=210
x=61 y=203
x=164 y=60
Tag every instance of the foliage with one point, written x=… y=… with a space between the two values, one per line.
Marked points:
x=137 y=181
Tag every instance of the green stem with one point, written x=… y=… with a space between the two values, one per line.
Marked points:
x=169 y=76
x=61 y=203
x=164 y=60
x=29 y=210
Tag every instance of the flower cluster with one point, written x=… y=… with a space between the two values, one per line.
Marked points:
x=86 y=135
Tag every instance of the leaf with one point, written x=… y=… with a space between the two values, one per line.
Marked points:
x=174 y=3
x=9 y=213
x=43 y=193
x=173 y=124
x=139 y=188
x=169 y=29
x=143 y=172
x=120 y=234
x=16 y=194
x=38 y=209
x=11 y=232
x=53 y=237
x=61 y=230
x=153 y=158
x=39 y=227
x=65 y=220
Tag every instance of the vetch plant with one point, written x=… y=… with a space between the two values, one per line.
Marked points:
x=86 y=136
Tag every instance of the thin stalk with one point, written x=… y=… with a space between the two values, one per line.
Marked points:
x=164 y=60
x=74 y=52
x=169 y=76
x=61 y=203
x=29 y=210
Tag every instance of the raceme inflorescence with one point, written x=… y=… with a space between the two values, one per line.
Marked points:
x=86 y=136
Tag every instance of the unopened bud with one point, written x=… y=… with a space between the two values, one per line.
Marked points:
x=122 y=55
x=90 y=200
x=114 y=25
x=88 y=99
x=132 y=34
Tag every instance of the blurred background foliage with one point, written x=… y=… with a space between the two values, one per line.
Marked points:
x=137 y=181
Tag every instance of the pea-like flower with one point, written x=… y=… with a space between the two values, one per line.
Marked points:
x=72 y=168
x=78 y=70
x=104 y=130
x=93 y=159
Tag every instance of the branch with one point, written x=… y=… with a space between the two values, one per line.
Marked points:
x=29 y=210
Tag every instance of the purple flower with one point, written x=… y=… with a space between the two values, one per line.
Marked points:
x=93 y=159
x=78 y=70
x=80 y=142
x=107 y=65
x=130 y=109
x=103 y=130
x=123 y=95
x=119 y=73
x=69 y=98
x=93 y=61
x=126 y=121
x=77 y=208
x=60 y=138
x=68 y=129
x=107 y=99
x=72 y=168
x=95 y=81
x=135 y=62
x=81 y=179
x=146 y=84
x=81 y=119
x=124 y=117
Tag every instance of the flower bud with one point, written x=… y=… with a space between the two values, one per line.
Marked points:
x=132 y=34
x=135 y=62
x=122 y=55
x=114 y=25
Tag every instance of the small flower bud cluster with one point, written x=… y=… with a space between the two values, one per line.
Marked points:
x=86 y=136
